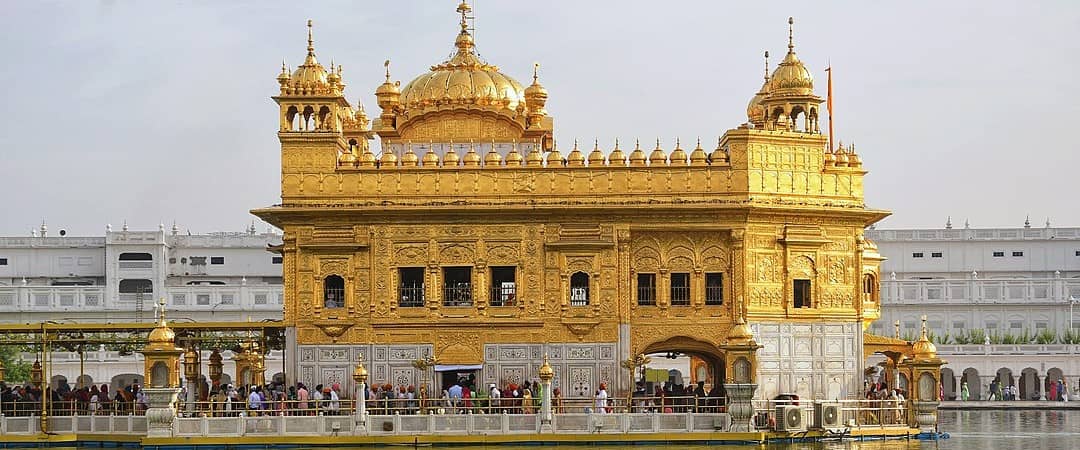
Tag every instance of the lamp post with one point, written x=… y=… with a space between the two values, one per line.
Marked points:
x=360 y=375
x=631 y=364
x=191 y=375
x=423 y=365
x=1072 y=300
x=546 y=374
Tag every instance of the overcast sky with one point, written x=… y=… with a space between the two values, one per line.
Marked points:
x=155 y=111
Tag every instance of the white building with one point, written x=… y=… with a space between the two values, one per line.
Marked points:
x=120 y=276
x=996 y=300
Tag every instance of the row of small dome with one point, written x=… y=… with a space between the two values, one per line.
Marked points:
x=576 y=158
x=843 y=157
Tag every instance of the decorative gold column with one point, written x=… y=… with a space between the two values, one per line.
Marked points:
x=925 y=382
x=740 y=372
x=546 y=375
x=360 y=376
x=162 y=375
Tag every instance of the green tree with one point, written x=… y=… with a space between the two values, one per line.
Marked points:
x=15 y=368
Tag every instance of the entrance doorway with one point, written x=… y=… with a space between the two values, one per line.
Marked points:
x=464 y=376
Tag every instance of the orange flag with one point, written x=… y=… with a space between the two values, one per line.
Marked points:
x=828 y=104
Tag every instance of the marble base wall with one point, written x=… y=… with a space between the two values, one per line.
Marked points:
x=814 y=360
x=579 y=367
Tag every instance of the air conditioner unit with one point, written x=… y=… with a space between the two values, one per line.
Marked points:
x=826 y=415
x=790 y=418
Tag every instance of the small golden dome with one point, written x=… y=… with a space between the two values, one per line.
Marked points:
x=554 y=158
x=546 y=372
x=698 y=156
x=678 y=156
x=367 y=158
x=283 y=77
x=841 y=159
x=334 y=77
x=596 y=157
x=493 y=158
x=431 y=159
x=347 y=158
x=637 y=157
x=409 y=159
x=513 y=158
x=575 y=157
x=924 y=349
x=830 y=158
x=740 y=333
x=162 y=334
x=534 y=158
x=617 y=157
x=471 y=158
x=451 y=158
x=388 y=158
x=718 y=156
x=657 y=157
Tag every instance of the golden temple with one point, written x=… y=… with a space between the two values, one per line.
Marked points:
x=469 y=240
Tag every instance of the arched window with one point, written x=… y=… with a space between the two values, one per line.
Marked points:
x=579 y=289
x=869 y=283
x=333 y=292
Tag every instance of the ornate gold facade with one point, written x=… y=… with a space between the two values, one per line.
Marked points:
x=469 y=178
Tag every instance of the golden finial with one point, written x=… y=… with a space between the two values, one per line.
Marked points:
x=575 y=144
x=698 y=142
x=766 y=65
x=924 y=326
x=596 y=144
x=464 y=9
x=896 y=328
x=310 y=41
x=536 y=69
x=386 y=64
x=284 y=68
x=637 y=143
x=161 y=311
x=790 y=34
x=678 y=142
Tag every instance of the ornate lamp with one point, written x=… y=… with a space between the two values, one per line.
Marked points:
x=35 y=374
x=631 y=364
x=191 y=364
x=215 y=367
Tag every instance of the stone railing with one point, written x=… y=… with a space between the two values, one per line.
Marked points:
x=973 y=234
x=976 y=291
x=1005 y=349
x=31 y=425
x=191 y=298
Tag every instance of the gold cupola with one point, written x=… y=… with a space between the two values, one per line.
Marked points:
x=923 y=348
x=465 y=98
x=791 y=77
x=755 y=110
x=310 y=73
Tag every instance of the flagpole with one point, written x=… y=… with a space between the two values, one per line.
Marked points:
x=829 y=106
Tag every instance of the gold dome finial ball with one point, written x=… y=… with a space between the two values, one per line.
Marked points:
x=360 y=375
x=546 y=372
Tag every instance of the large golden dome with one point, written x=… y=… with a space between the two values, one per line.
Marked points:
x=463 y=82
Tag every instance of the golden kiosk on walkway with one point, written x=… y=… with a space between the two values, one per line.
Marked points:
x=469 y=237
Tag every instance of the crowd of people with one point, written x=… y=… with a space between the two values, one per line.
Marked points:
x=276 y=398
x=25 y=400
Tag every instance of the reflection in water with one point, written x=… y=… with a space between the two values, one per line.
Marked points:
x=978 y=430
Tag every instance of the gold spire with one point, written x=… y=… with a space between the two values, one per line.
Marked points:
x=536 y=69
x=386 y=64
x=310 y=46
x=766 y=66
x=790 y=34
